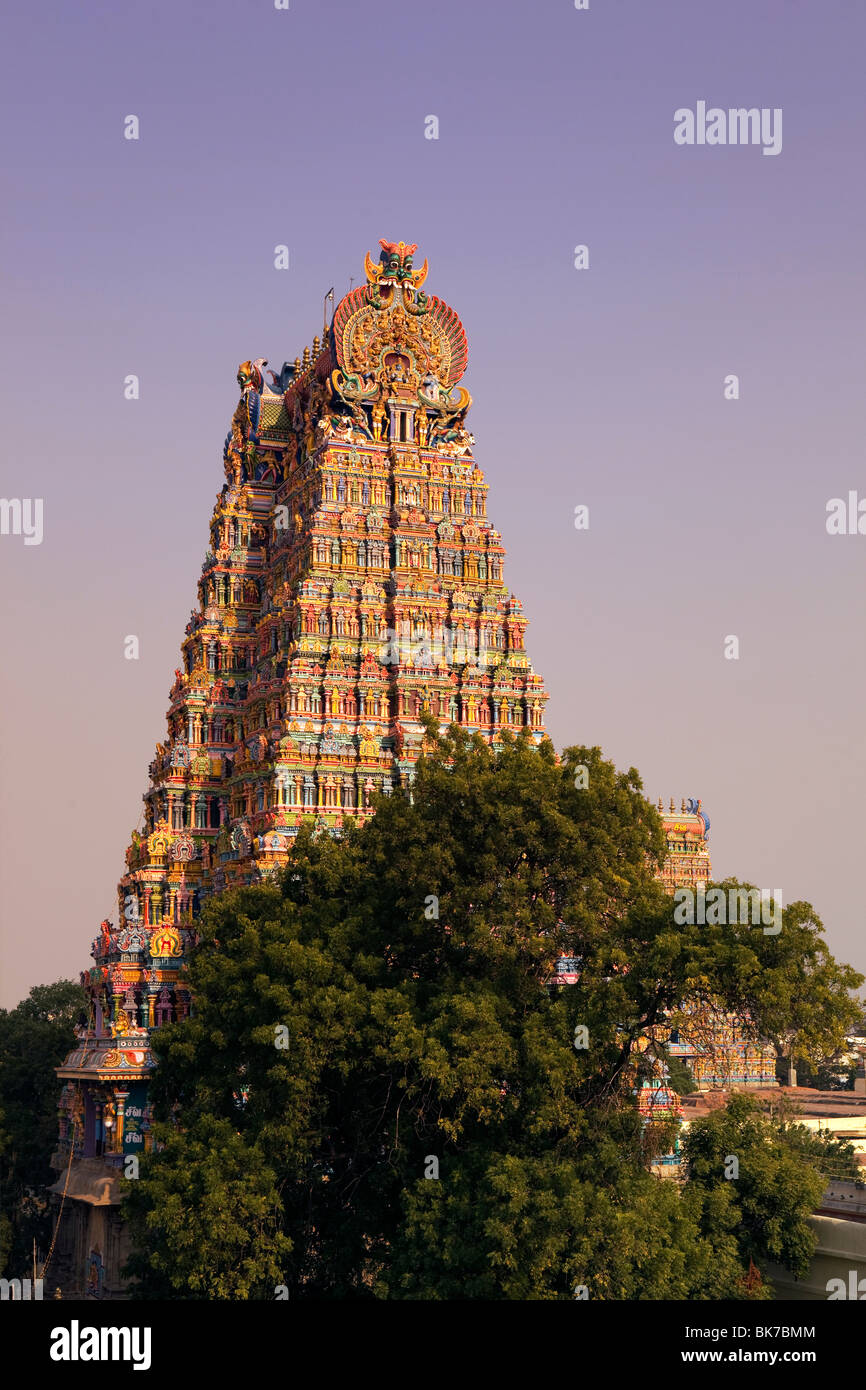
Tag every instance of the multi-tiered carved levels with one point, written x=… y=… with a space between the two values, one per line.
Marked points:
x=352 y=583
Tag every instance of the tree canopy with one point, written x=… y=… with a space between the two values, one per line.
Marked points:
x=35 y=1037
x=381 y=1093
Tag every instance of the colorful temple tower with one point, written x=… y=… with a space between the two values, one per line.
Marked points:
x=658 y=1102
x=352 y=583
x=719 y=1050
x=687 y=864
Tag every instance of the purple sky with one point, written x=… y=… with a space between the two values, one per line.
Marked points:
x=602 y=387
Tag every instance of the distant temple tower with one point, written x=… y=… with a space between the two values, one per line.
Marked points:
x=353 y=582
x=716 y=1046
x=688 y=858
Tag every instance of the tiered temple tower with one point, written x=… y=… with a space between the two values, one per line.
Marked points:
x=717 y=1047
x=352 y=583
x=688 y=858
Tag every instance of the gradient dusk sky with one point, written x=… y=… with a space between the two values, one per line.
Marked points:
x=602 y=386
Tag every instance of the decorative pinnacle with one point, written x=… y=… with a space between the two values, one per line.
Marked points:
x=395 y=265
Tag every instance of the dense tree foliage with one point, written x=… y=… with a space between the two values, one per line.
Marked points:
x=681 y=1078
x=800 y=993
x=379 y=1096
x=836 y=1073
x=5 y=1219
x=781 y=1172
x=34 y=1039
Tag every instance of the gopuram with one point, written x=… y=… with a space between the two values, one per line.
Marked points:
x=352 y=583
x=719 y=1049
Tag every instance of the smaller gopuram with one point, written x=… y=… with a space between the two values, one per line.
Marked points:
x=688 y=858
x=719 y=1049
x=657 y=1102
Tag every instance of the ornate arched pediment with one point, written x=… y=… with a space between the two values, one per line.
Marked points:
x=388 y=329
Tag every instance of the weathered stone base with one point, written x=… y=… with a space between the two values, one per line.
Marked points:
x=92 y=1242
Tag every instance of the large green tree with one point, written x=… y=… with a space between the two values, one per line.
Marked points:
x=34 y=1039
x=419 y=1114
x=789 y=980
